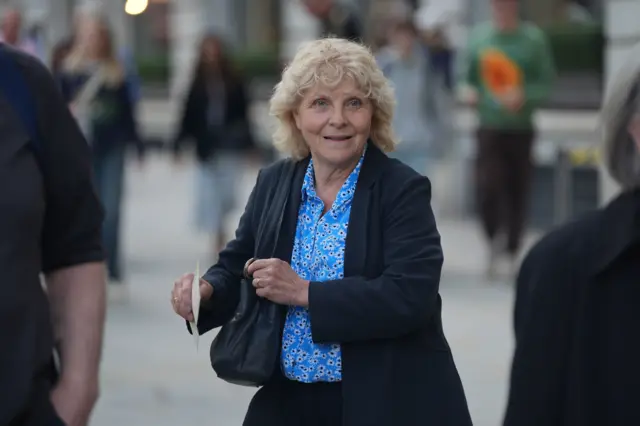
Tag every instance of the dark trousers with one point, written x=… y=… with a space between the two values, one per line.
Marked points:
x=289 y=403
x=503 y=182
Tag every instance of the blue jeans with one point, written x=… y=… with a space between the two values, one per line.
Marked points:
x=108 y=169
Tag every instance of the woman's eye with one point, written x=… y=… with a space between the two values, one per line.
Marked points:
x=320 y=103
x=354 y=103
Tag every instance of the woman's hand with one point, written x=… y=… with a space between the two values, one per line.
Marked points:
x=275 y=280
x=181 y=295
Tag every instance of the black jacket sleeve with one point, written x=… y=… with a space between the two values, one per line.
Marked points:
x=543 y=323
x=186 y=126
x=405 y=296
x=225 y=276
x=73 y=218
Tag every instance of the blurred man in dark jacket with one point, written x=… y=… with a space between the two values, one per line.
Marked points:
x=336 y=19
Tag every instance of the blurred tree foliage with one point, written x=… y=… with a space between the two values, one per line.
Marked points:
x=260 y=63
x=577 y=47
x=154 y=69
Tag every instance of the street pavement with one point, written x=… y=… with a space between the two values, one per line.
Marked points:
x=152 y=373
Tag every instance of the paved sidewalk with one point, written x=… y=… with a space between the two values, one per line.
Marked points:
x=152 y=374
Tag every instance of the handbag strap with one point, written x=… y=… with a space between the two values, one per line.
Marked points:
x=280 y=199
x=90 y=89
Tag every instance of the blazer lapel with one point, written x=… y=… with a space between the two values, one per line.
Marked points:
x=355 y=251
x=286 y=239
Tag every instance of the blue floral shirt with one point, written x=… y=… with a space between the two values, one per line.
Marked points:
x=318 y=255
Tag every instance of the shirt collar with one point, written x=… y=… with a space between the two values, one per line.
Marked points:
x=346 y=191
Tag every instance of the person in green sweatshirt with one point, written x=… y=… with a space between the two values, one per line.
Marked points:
x=510 y=72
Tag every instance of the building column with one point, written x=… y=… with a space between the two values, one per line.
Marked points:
x=188 y=21
x=57 y=22
x=186 y=25
x=622 y=32
x=121 y=23
x=297 y=26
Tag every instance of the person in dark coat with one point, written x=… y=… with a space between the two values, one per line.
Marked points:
x=576 y=311
x=215 y=118
x=356 y=269
x=50 y=224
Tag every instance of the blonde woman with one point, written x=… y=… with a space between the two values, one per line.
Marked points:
x=93 y=83
x=350 y=254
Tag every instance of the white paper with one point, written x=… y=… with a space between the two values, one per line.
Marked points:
x=195 y=303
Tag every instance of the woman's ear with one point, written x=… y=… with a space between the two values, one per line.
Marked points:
x=296 y=118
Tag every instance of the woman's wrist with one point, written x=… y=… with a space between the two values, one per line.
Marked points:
x=302 y=296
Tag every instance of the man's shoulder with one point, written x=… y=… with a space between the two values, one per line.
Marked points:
x=566 y=245
x=36 y=74
x=25 y=60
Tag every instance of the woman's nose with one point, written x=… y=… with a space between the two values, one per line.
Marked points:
x=337 y=118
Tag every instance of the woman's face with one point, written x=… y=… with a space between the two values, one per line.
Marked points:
x=335 y=123
x=210 y=52
x=92 y=36
x=403 y=41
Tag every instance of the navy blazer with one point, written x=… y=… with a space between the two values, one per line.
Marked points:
x=386 y=312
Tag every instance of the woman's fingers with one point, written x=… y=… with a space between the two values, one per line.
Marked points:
x=181 y=296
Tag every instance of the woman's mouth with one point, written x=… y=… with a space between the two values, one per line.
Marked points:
x=338 y=138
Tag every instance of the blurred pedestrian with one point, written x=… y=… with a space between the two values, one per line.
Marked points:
x=436 y=23
x=509 y=72
x=60 y=53
x=50 y=222
x=93 y=82
x=216 y=118
x=336 y=19
x=418 y=120
x=576 y=310
x=13 y=34
x=349 y=257
x=124 y=53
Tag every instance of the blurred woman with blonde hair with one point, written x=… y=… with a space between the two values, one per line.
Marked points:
x=93 y=82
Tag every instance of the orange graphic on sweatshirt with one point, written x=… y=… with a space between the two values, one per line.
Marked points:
x=498 y=72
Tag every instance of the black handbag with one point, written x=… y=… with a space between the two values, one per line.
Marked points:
x=245 y=351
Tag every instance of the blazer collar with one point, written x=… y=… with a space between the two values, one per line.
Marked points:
x=619 y=229
x=372 y=168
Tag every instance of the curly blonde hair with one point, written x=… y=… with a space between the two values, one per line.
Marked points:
x=329 y=61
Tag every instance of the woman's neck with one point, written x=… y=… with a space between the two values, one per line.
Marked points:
x=329 y=180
